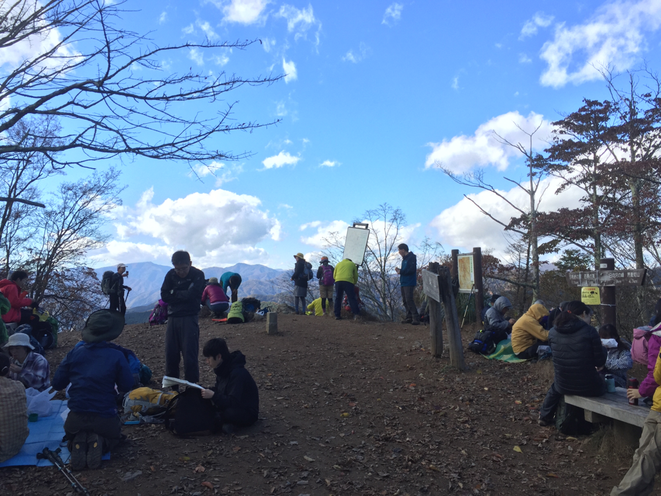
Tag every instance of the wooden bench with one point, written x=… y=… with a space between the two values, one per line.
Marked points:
x=628 y=420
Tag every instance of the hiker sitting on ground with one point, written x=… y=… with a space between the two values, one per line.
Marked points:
x=618 y=358
x=359 y=302
x=28 y=367
x=15 y=290
x=639 y=480
x=13 y=412
x=528 y=333
x=315 y=308
x=93 y=426
x=495 y=319
x=577 y=354
x=215 y=298
x=488 y=305
x=235 y=394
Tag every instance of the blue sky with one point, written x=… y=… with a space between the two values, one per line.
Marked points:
x=375 y=94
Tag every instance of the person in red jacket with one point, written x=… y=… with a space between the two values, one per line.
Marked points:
x=14 y=290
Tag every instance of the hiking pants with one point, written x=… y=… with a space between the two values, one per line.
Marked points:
x=639 y=480
x=218 y=307
x=182 y=338
x=409 y=303
x=110 y=429
x=117 y=303
x=342 y=287
x=550 y=404
x=234 y=283
x=528 y=353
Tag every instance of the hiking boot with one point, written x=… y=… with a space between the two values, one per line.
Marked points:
x=79 y=451
x=544 y=423
x=407 y=321
x=338 y=318
x=94 y=450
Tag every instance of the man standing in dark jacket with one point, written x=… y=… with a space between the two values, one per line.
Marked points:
x=235 y=395
x=577 y=355
x=408 y=279
x=182 y=290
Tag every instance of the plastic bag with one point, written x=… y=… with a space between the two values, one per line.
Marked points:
x=39 y=402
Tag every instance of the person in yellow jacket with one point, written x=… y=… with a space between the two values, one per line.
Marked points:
x=346 y=277
x=316 y=308
x=639 y=480
x=528 y=333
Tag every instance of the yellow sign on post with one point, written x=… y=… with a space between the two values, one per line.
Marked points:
x=590 y=296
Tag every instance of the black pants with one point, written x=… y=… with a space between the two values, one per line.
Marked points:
x=409 y=303
x=528 y=353
x=117 y=303
x=342 y=287
x=182 y=338
x=234 y=286
x=110 y=429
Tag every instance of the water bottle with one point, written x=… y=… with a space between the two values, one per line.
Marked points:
x=610 y=383
x=633 y=384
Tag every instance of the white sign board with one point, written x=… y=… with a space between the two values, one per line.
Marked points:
x=356 y=244
x=466 y=272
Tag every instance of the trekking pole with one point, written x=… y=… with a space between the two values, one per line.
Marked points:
x=55 y=459
x=467 y=304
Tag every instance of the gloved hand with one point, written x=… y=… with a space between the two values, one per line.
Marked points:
x=34 y=304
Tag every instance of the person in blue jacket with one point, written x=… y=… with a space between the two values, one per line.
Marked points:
x=231 y=280
x=408 y=280
x=93 y=369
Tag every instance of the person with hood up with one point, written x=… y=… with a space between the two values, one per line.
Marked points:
x=528 y=332
x=93 y=369
x=235 y=395
x=577 y=354
x=495 y=320
x=15 y=290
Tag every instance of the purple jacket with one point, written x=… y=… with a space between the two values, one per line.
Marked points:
x=649 y=385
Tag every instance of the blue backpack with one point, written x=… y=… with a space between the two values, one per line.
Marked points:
x=307 y=272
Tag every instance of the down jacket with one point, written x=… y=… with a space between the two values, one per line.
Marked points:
x=527 y=330
x=577 y=353
x=649 y=385
x=235 y=392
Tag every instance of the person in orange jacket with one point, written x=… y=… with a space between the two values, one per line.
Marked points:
x=15 y=290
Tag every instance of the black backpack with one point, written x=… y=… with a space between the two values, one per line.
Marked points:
x=188 y=413
x=483 y=343
x=106 y=282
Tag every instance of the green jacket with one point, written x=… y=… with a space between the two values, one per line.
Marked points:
x=346 y=271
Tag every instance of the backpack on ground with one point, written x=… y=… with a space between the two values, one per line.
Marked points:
x=327 y=277
x=159 y=315
x=188 y=414
x=106 y=282
x=307 y=272
x=641 y=337
x=484 y=343
x=147 y=401
x=236 y=314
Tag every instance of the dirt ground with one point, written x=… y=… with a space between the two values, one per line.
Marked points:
x=351 y=408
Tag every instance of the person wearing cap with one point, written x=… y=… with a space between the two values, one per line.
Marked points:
x=27 y=367
x=346 y=277
x=300 y=283
x=117 y=301
x=13 y=412
x=215 y=298
x=93 y=369
x=15 y=290
x=231 y=280
x=326 y=284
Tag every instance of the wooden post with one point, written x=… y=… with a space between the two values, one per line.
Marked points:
x=451 y=318
x=271 y=323
x=479 y=287
x=435 y=320
x=608 y=295
x=455 y=265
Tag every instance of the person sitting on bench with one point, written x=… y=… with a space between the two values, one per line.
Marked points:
x=235 y=394
x=528 y=332
x=93 y=369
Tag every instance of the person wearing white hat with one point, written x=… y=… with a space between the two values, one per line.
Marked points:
x=27 y=366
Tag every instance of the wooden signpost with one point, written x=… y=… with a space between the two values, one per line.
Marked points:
x=609 y=279
x=437 y=285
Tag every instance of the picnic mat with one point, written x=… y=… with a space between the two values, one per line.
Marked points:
x=47 y=432
x=504 y=353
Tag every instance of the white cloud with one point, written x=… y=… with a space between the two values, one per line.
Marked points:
x=207 y=30
x=463 y=153
x=455 y=83
x=324 y=232
x=315 y=223
x=539 y=20
x=196 y=56
x=524 y=59
x=190 y=29
x=280 y=160
x=224 y=173
x=300 y=21
x=209 y=225
x=613 y=38
x=393 y=14
x=163 y=17
x=464 y=226
x=356 y=56
x=285 y=206
x=267 y=44
x=290 y=70
x=221 y=59
x=329 y=163
x=242 y=11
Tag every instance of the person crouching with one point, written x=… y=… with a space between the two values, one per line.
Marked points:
x=93 y=426
x=235 y=395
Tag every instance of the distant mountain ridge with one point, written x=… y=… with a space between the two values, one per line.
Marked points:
x=145 y=280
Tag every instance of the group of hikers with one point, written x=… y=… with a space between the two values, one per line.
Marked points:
x=584 y=358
